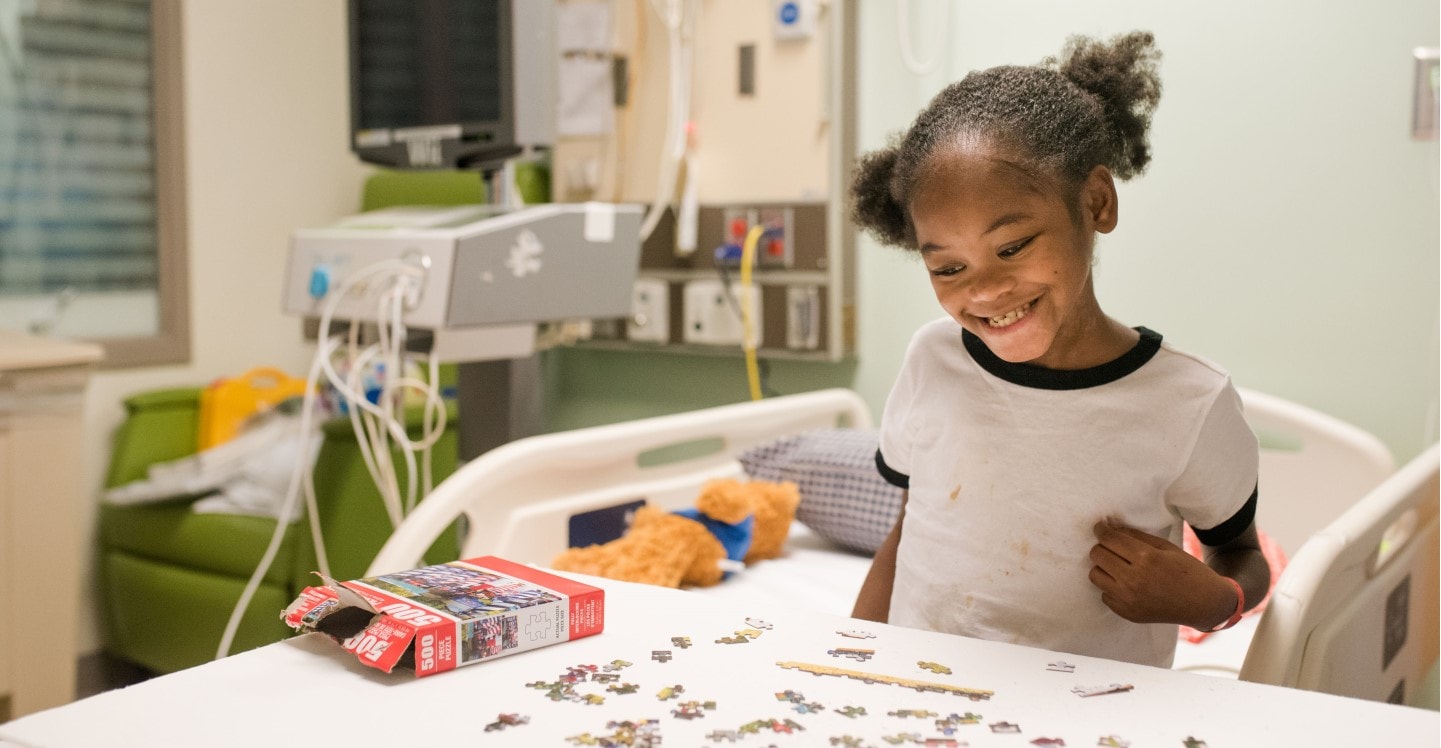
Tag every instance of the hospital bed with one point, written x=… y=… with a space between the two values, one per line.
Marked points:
x=518 y=499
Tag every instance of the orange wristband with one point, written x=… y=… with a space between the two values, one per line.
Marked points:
x=1240 y=607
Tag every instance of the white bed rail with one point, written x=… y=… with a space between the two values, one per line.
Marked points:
x=517 y=499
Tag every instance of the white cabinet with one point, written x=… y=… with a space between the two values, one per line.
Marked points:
x=42 y=487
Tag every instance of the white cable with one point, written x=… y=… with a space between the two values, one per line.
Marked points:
x=282 y=522
x=903 y=29
x=673 y=151
x=378 y=423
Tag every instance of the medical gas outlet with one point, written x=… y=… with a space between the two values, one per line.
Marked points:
x=713 y=312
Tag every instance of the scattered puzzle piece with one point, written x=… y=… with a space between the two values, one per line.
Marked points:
x=917 y=713
x=622 y=689
x=1048 y=741
x=1061 y=666
x=855 y=653
x=1113 y=741
x=1084 y=691
x=682 y=642
x=732 y=640
x=852 y=711
x=902 y=737
x=934 y=667
x=616 y=665
x=729 y=736
x=1005 y=727
x=1194 y=742
x=857 y=634
x=503 y=721
x=661 y=655
x=670 y=692
x=757 y=623
x=847 y=741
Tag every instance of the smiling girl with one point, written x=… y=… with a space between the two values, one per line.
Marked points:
x=1050 y=454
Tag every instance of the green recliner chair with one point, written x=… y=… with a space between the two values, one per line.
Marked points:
x=171 y=577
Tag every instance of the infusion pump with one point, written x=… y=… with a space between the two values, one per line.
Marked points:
x=487 y=275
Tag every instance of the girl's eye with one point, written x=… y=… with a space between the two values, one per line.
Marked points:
x=947 y=271
x=1014 y=249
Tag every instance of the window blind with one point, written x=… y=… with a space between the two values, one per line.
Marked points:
x=77 y=176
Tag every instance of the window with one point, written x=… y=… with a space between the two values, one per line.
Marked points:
x=91 y=176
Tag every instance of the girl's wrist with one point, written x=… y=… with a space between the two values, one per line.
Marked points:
x=1235 y=606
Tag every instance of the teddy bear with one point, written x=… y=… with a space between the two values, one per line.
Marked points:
x=739 y=521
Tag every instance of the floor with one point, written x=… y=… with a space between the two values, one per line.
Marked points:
x=99 y=672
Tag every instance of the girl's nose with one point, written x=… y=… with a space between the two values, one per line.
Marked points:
x=989 y=285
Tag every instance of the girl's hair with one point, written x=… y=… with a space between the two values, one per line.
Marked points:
x=1059 y=119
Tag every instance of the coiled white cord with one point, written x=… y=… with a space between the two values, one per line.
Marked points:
x=376 y=425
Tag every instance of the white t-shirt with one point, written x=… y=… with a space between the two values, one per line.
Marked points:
x=1009 y=467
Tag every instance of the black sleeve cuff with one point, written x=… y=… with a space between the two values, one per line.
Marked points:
x=1226 y=531
x=890 y=474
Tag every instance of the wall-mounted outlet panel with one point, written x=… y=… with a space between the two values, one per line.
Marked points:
x=649 y=320
x=712 y=312
x=803 y=318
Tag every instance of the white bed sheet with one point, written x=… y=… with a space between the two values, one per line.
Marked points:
x=814 y=574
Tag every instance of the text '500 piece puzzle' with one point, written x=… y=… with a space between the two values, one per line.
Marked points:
x=437 y=618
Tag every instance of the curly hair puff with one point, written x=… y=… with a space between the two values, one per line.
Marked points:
x=1090 y=106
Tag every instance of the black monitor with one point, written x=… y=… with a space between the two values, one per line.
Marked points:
x=433 y=83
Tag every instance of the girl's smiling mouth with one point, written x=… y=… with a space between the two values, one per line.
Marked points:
x=1011 y=317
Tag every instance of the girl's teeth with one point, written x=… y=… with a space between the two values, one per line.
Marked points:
x=1009 y=318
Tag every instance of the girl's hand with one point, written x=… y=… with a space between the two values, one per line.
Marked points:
x=1146 y=579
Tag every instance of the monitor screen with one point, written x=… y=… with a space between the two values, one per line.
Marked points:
x=431 y=82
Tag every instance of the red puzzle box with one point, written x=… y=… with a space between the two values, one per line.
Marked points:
x=437 y=618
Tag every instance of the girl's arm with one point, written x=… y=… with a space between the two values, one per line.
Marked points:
x=873 y=603
x=1146 y=579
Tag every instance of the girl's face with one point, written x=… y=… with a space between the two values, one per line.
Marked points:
x=1008 y=260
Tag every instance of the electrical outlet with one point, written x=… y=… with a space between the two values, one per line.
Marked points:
x=712 y=315
x=649 y=311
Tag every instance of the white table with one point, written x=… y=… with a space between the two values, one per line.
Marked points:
x=308 y=691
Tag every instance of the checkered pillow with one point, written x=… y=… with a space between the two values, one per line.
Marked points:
x=843 y=497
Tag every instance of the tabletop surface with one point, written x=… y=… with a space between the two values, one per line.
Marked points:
x=663 y=673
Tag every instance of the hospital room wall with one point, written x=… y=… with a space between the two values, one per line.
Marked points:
x=1286 y=229
x=265 y=117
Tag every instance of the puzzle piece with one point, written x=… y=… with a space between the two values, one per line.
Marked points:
x=670 y=692
x=902 y=737
x=661 y=655
x=857 y=634
x=683 y=642
x=1061 y=666
x=934 y=667
x=857 y=654
x=617 y=665
x=1113 y=741
x=503 y=721
x=1005 y=727
x=1049 y=741
x=1084 y=691
x=622 y=689
x=852 y=711
x=757 y=623
x=917 y=713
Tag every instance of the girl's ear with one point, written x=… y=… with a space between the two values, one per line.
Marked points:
x=1098 y=199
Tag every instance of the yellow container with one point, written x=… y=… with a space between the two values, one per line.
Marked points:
x=227 y=403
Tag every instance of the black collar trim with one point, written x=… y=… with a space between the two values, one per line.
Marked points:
x=1039 y=377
